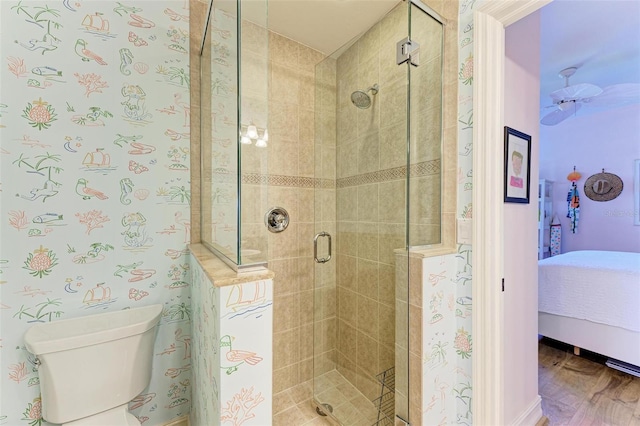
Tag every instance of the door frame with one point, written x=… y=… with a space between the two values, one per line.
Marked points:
x=490 y=20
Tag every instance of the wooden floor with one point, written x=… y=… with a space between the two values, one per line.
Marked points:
x=581 y=390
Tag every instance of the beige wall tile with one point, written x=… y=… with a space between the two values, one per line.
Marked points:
x=286 y=312
x=394 y=24
x=283 y=50
x=284 y=244
x=347 y=272
x=402 y=324
x=368 y=240
x=366 y=354
x=389 y=70
x=348 y=61
x=283 y=282
x=366 y=383
x=386 y=357
x=347 y=208
x=329 y=299
x=309 y=58
x=392 y=237
x=305 y=273
x=393 y=102
x=387 y=326
x=347 y=340
x=415 y=330
x=367 y=319
x=386 y=285
x=393 y=145
x=305 y=370
x=368 y=203
x=392 y=202
x=306 y=90
x=307 y=124
x=283 y=120
x=347 y=120
x=368 y=278
x=415 y=382
x=306 y=307
x=368 y=44
x=369 y=152
x=347 y=306
x=284 y=378
x=347 y=160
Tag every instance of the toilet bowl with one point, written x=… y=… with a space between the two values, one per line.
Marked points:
x=91 y=367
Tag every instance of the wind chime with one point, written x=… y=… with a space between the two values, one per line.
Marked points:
x=573 y=201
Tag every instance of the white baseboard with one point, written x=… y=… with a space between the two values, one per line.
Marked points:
x=182 y=421
x=531 y=415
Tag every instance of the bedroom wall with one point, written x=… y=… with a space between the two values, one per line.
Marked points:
x=522 y=87
x=605 y=140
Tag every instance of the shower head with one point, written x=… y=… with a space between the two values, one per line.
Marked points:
x=361 y=99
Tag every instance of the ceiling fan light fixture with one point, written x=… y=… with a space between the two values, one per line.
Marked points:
x=563 y=106
x=568 y=100
x=566 y=73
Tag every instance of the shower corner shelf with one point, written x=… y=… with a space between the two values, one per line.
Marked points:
x=388 y=379
x=386 y=402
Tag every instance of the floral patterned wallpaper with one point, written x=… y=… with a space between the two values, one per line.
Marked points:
x=463 y=340
x=94 y=183
x=232 y=358
x=447 y=304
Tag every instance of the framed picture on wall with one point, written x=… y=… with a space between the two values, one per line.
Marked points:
x=517 y=166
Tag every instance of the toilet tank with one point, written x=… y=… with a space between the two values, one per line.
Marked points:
x=93 y=363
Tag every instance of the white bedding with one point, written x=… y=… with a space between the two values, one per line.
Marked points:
x=599 y=286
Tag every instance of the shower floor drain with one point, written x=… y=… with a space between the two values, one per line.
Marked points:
x=325 y=408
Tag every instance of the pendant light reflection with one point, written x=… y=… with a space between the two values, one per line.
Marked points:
x=250 y=134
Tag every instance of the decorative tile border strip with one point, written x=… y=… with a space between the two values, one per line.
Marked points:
x=292 y=181
x=425 y=168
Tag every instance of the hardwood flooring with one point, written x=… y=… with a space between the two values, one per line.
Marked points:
x=582 y=390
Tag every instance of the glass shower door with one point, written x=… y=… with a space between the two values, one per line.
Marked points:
x=361 y=162
x=378 y=115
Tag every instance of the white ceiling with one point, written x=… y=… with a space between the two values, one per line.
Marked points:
x=325 y=25
x=600 y=38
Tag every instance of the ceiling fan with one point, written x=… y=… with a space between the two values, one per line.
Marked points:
x=568 y=100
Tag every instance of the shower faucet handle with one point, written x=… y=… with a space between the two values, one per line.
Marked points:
x=276 y=219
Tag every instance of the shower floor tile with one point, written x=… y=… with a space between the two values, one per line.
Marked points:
x=350 y=407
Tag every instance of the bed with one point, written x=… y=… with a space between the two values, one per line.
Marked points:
x=591 y=300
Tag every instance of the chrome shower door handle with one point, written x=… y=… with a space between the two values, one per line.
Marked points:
x=315 y=247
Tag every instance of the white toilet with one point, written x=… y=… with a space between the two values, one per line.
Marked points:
x=91 y=367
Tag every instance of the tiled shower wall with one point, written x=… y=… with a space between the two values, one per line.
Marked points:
x=291 y=168
x=95 y=183
x=291 y=160
x=371 y=170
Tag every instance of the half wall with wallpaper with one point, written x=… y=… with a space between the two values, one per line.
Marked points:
x=95 y=180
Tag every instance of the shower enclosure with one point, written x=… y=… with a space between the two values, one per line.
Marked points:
x=349 y=143
x=378 y=140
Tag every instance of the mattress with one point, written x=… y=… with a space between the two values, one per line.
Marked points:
x=599 y=286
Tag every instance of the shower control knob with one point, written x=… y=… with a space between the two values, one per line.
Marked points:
x=276 y=219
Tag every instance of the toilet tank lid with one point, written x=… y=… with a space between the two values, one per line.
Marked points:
x=89 y=330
